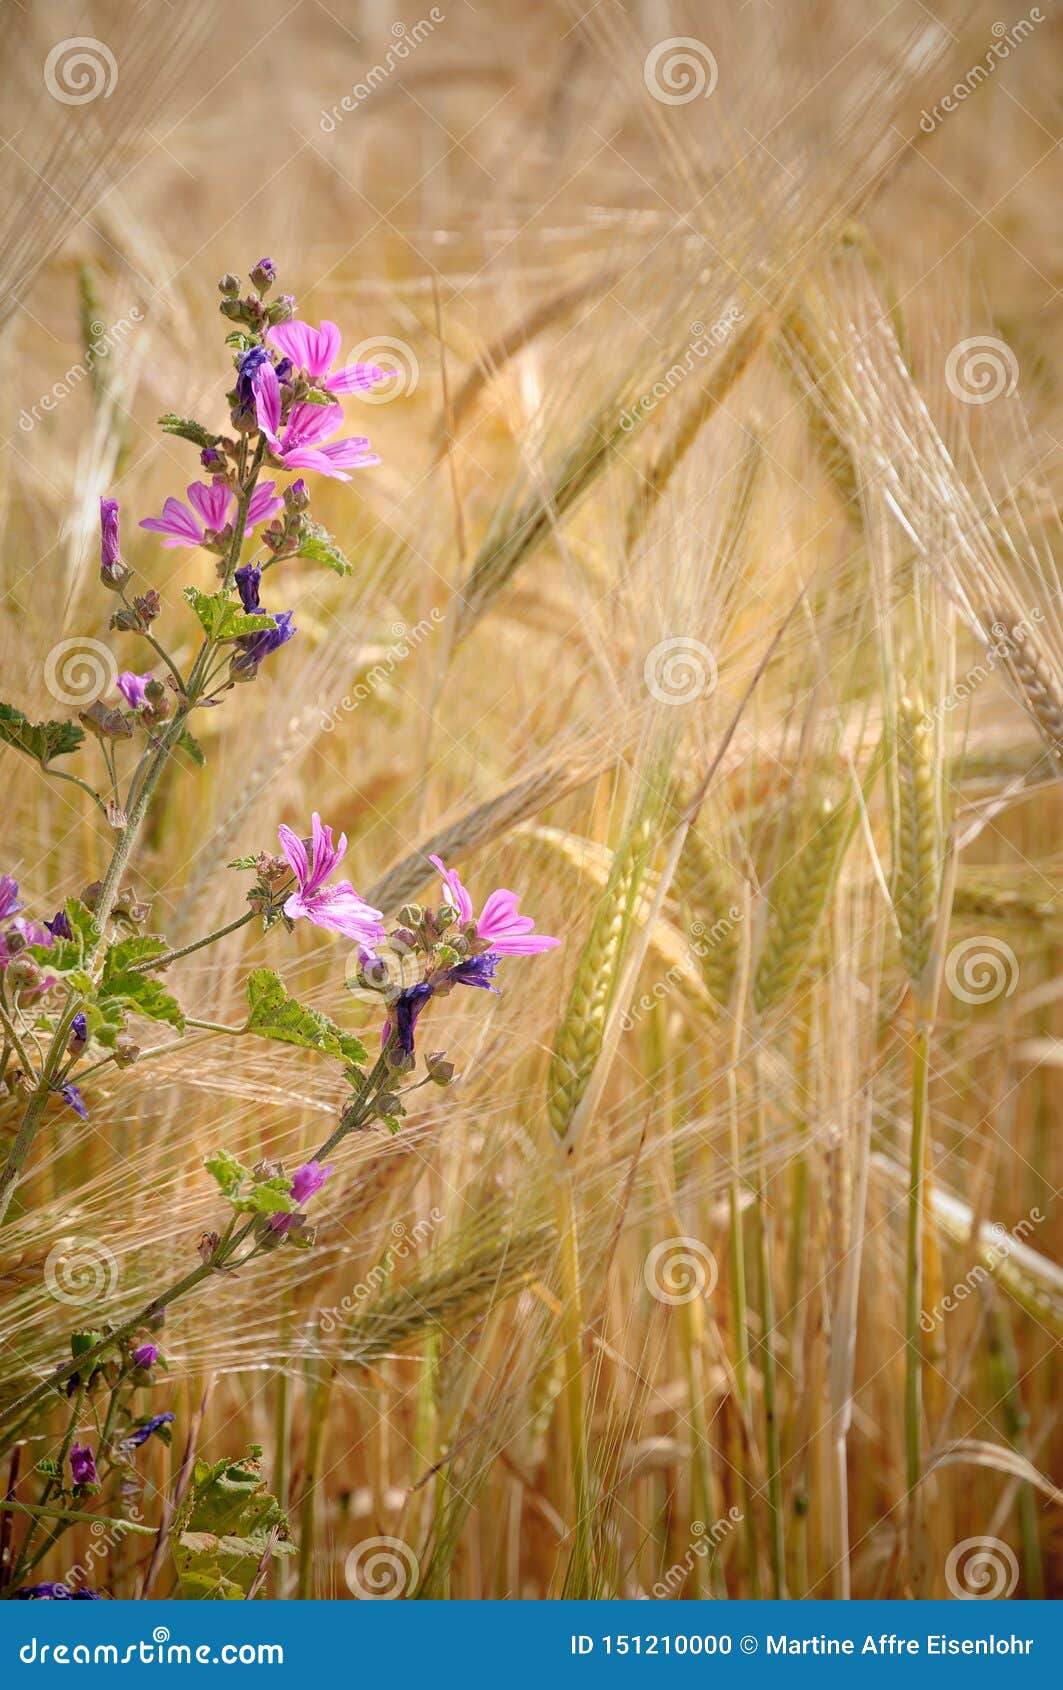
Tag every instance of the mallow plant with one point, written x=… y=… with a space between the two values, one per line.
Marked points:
x=77 y=980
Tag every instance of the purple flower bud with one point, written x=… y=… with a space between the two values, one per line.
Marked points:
x=297 y=495
x=212 y=460
x=113 y=572
x=9 y=898
x=308 y=1179
x=82 y=1465
x=71 y=1095
x=140 y=1434
x=264 y=274
x=146 y=1355
x=133 y=688
x=59 y=927
x=248 y=580
x=55 y=1593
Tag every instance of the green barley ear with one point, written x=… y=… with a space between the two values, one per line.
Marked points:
x=918 y=843
x=709 y=895
x=582 y=1030
x=799 y=895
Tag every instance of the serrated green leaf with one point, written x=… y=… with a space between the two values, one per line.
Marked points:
x=221 y=619
x=121 y=985
x=186 y=428
x=229 y=1172
x=67 y=956
x=318 y=545
x=225 y=1526
x=40 y=740
x=275 y=1015
x=243 y=862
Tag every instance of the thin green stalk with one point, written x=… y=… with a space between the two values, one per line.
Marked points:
x=158 y=962
x=578 y=1571
x=768 y=1367
x=913 y=1391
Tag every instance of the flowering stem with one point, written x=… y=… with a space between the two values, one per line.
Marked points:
x=34 y=1111
x=353 y=1117
x=73 y=1515
x=197 y=945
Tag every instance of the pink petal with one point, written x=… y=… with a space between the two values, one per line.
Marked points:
x=338 y=909
x=349 y=454
x=295 y=851
x=211 y=503
x=499 y=914
x=325 y=856
x=453 y=890
x=310 y=457
x=178 y=520
x=293 y=340
x=308 y=425
x=327 y=349
x=355 y=378
x=529 y=945
x=264 y=504
x=267 y=390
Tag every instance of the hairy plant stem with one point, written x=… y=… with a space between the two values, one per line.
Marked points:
x=154 y=963
x=913 y=1392
x=123 y=850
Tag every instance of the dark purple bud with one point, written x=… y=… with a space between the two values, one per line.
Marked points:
x=59 y=927
x=297 y=495
x=55 y=1593
x=146 y=1355
x=254 y=647
x=79 y=1034
x=82 y=1465
x=212 y=460
x=140 y=1434
x=73 y=1097
x=248 y=580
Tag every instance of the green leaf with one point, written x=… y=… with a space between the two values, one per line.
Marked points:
x=121 y=986
x=243 y=862
x=221 y=619
x=67 y=956
x=40 y=740
x=319 y=546
x=228 y=1171
x=274 y=1015
x=226 y=1525
x=188 y=429
x=191 y=745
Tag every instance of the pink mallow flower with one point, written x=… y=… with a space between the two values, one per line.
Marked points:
x=133 y=688
x=498 y=924
x=337 y=908
x=314 y=351
x=306 y=1181
x=305 y=442
x=212 y=509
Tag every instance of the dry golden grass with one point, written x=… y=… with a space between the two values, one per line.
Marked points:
x=637 y=1286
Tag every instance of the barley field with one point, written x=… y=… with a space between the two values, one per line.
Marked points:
x=706 y=594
